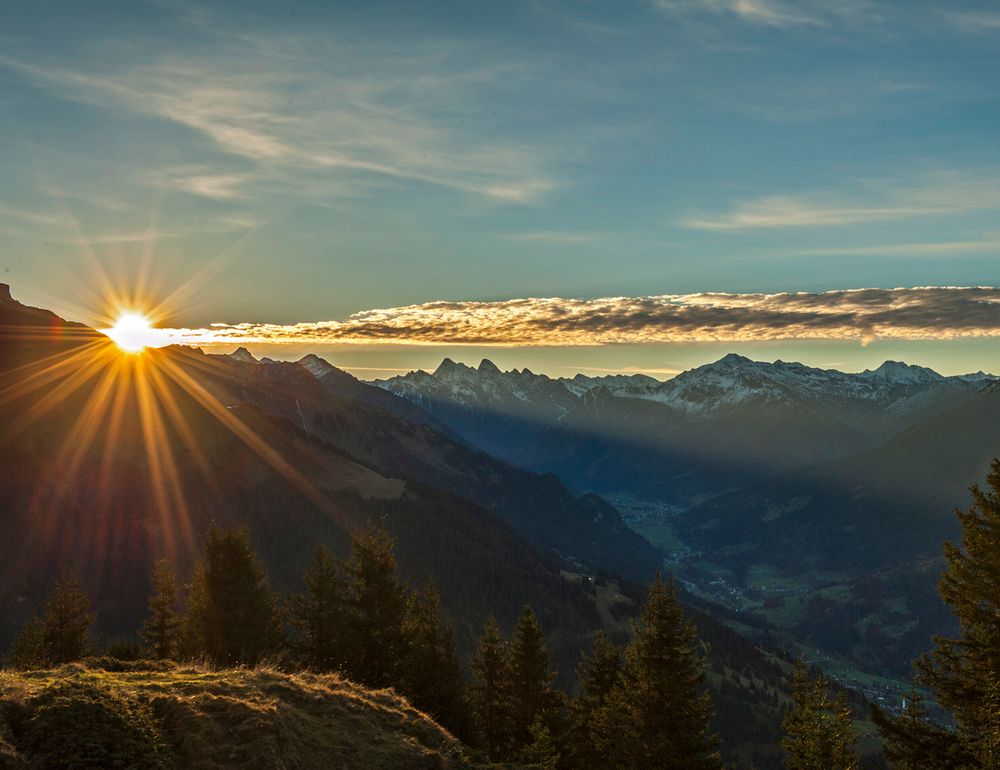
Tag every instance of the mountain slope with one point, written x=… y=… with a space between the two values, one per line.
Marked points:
x=113 y=461
x=846 y=555
x=885 y=504
x=587 y=531
x=114 y=529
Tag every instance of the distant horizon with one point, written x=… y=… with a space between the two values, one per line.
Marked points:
x=597 y=372
x=380 y=360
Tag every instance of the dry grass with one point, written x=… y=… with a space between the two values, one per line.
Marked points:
x=86 y=716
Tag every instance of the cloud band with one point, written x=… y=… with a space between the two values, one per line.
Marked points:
x=861 y=314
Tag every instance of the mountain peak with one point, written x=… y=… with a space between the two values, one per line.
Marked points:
x=900 y=372
x=316 y=366
x=488 y=367
x=733 y=359
x=447 y=368
x=243 y=355
x=5 y=293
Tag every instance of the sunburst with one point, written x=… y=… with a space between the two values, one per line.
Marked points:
x=125 y=376
x=133 y=332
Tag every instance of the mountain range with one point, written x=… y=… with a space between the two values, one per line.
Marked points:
x=814 y=499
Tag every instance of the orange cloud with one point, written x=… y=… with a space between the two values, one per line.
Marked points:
x=858 y=314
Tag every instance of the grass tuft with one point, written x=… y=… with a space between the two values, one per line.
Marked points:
x=114 y=714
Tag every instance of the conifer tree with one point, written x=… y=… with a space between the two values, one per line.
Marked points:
x=433 y=679
x=818 y=730
x=161 y=631
x=658 y=714
x=963 y=673
x=66 y=621
x=491 y=692
x=320 y=614
x=232 y=616
x=541 y=751
x=911 y=741
x=376 y=602
x=532 y=697
x=597 y=675
x=27 y=651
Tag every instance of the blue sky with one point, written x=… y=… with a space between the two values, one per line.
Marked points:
x=284 y=163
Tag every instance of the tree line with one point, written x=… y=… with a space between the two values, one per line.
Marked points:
x=642 y=706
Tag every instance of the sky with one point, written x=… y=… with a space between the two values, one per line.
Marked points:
x=620 y=186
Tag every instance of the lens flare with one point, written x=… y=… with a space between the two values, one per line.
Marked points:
x=133 y=333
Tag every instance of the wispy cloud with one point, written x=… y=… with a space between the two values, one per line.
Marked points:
x=938 y=249
x=301 y=107
x=974 y=21
x=937 y=195
x=37 y=217
x=858 y=314
x=554 y=236
x=768 y=13
x=203 y=182
x=212 y=226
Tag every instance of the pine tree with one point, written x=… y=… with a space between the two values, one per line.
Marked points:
x=911 y=741
x=963 y=673
x=532 y=697
x=377 y=604
x=433 y=679
x=597 y=675
x=232 y=616
x=161 y=631
x=28 y=650
x=320 y=614
x=66 y=621
x=491 y=692
x=658 y=714
x=541 y=750
x=818 y=730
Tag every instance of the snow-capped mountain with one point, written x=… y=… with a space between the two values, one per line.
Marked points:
x=736 y=382
x=496 y=411
x=705 y=429
x=730 y=382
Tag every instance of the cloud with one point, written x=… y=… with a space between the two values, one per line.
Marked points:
x=977 y=22
x=287 y=110
x=768 y=13
x=852 y=314
x=38 y=217
x=909 y=249
x=936 y=195
x=204 y=183
x=553 y=236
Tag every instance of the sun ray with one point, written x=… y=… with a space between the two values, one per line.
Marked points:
x=47 y=369
x=171 y=506
x=53 y=398
x=245 y=434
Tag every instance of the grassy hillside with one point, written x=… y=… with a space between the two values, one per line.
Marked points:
x=83 y=716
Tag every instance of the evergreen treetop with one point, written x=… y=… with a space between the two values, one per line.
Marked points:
x=659 y=713
x=532 y=696
x=232 y=616
x=66 y=621
x=491 y=692
x=161 y=630
x=319 y=615
x=819 y=734
x=962 y=673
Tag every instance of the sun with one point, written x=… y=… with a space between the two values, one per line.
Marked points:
x=133 y=332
